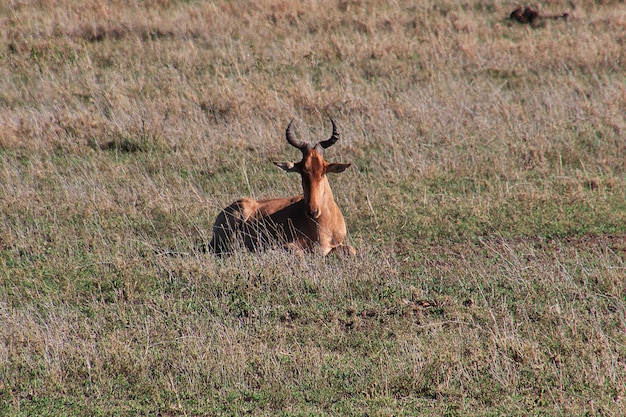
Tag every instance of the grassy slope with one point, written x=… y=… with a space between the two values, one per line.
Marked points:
x=487 y=201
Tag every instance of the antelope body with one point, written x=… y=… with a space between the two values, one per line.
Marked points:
x=308 y=222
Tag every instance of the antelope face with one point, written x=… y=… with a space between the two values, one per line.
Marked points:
x=313 y=169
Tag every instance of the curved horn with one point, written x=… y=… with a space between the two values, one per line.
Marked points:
x=291 y=138
x=334 y=138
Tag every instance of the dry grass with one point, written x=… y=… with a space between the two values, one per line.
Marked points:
x=487 y=202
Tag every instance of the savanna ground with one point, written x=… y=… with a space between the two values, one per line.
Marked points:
x=487 y=202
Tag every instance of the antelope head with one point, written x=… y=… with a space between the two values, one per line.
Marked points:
x=313 y=169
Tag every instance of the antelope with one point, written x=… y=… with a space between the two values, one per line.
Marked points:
x=310 y=222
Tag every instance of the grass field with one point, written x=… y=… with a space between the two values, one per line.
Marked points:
x=486 y=201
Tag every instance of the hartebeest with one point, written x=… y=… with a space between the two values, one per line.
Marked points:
x=309 y=222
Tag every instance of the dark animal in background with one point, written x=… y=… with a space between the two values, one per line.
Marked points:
x=533 y=17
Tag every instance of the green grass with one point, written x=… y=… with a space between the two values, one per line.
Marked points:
x=486 y=201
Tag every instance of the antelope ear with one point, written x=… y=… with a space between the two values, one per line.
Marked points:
x=287 y=166
x=337 y=168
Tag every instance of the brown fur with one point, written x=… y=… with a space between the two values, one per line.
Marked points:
x=308 y=222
